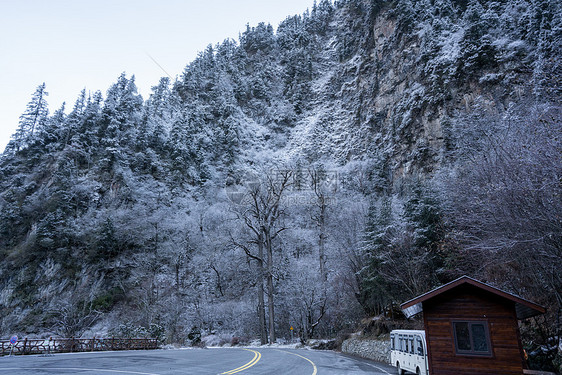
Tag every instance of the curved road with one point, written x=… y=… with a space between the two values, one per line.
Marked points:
x=227 y=361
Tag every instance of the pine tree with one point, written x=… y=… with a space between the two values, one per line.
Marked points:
x=107 y=242
x=32 y=120
x=478 y=50
x=158 y=102
x=87 y=138
x=374 y=291
x=423 y=211
x=74 y=118
x=51 y=134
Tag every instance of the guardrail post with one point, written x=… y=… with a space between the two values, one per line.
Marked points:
x=92 y=343
x=24 y=345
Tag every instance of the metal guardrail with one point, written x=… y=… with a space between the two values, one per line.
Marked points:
x=70 y=345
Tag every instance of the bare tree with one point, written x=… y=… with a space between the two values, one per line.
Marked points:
x=308 y=297
x=319 y=187
x=259 y=259
x=505 y=205
x=261 y=213
x=73 y=319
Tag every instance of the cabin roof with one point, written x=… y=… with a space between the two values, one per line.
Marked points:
x=524 y=309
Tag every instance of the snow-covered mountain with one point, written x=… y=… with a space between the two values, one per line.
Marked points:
x=418 y=140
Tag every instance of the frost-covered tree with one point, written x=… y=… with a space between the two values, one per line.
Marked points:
x=374 y=293
x=32 y=120
x=261 y=213
x=503 y=201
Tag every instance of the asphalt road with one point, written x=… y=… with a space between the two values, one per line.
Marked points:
x=195 y=361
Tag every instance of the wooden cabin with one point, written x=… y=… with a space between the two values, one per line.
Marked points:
x=472 y=328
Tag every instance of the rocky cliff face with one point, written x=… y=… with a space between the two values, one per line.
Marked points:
x=416 y=69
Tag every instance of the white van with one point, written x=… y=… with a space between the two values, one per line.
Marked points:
x=408 y=351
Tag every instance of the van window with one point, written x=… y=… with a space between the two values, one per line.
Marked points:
x=419 y=346
x=392 y=343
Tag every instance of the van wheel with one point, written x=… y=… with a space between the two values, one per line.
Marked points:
x=400 y=371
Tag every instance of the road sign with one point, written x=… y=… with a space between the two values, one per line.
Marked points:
x=13 y=340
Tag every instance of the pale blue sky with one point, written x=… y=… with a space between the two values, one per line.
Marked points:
x=71 y=45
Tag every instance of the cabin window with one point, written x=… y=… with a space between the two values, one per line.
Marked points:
x=472 y=338
x=392 y=342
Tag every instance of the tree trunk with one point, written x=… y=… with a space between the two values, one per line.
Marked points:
x=261 y=297
x=270 y=290
x=322 y=237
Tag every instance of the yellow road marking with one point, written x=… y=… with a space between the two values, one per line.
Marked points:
x=298 y=355
x=257 y=356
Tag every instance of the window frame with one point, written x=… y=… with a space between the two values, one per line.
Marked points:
x=419 y=346
x=472 y=352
